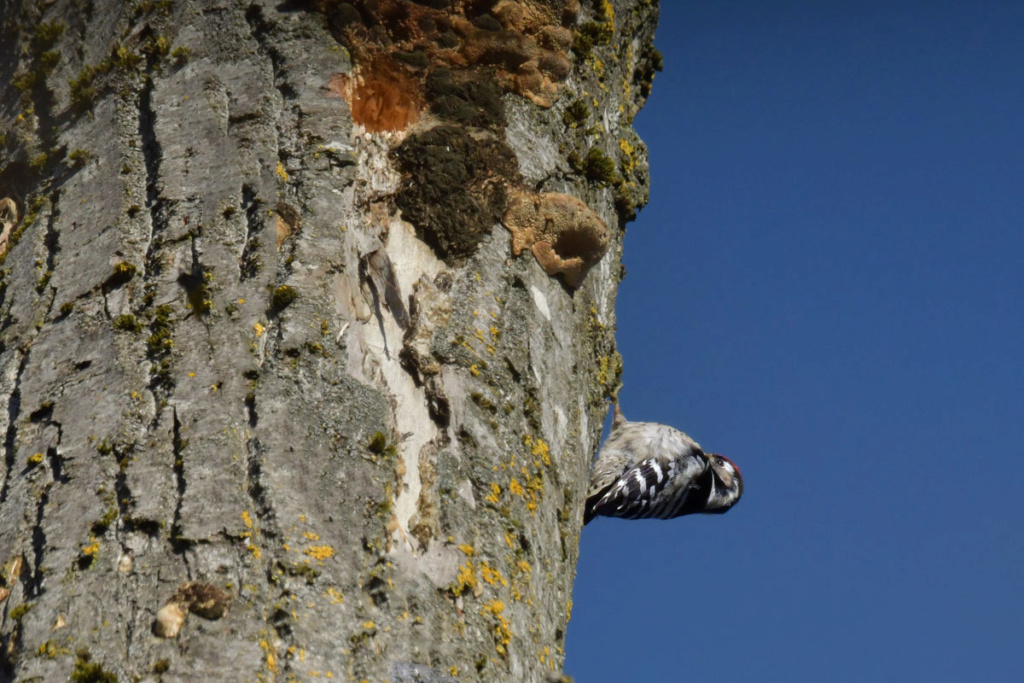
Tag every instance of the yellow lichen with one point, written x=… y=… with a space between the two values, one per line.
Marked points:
x=493 y=496
x=246 y=519
x=319 y=552
x=467 y=549
x=515 y=488
x=500 y=629
x=92 y=548
x=466 y=578
x=335 y=596
x=491 y=575
x=311 y=536
x=258 y=329
x=281 y=172
x=540 y=449
x=271 y=660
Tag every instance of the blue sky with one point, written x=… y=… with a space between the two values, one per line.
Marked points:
x=827 y=286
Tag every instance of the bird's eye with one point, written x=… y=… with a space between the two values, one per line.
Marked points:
x=719 y=461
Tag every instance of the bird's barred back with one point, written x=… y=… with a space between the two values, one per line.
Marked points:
x=640 y=492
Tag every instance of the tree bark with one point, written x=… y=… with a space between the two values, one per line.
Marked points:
x=306 y=331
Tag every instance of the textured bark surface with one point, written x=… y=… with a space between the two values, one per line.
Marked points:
x=279 y=401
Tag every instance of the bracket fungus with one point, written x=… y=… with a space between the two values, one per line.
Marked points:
x=565 y=235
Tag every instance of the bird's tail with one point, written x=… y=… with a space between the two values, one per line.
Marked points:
x=618 y=419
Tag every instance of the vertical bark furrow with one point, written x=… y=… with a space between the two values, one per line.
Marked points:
x=14 y=367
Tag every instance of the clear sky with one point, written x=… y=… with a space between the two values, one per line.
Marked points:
x=827 y=287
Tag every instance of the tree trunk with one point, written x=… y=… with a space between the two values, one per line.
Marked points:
x=306 y=333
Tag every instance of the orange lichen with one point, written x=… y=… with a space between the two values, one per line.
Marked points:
x=381 y=95
x=522 y=45
x=564 y=234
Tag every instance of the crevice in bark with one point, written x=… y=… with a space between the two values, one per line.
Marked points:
x=10 y=440
x=194 y=282
x=259 y=27
x=151 y=155
x=257 y=492
x=178 y=543
x=249 y=263
x=250 y=409
x=122 y=492
x=55 y=460
x=38 y=544
x=52 y=242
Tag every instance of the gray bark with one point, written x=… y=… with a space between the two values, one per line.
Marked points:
x=280 y=400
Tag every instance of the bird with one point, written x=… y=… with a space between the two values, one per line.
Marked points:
x=650 y=470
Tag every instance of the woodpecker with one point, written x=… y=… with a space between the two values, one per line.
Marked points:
x=647 y=469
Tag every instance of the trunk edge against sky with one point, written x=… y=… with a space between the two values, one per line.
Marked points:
x=306 y=331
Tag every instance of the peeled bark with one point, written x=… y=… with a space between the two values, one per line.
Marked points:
x=280 y=399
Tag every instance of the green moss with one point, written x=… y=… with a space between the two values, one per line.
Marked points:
x=157 y=48
x=599 y=167
x=468 y=97
x=122 y=273
x=160 y=344
x=83 y=92
x=127 y=323
x=21 y=610
x=487 y=22
x=590 y=35
x=154 y=7
x=160 y=341
x=24 y=83
x=650 y=63
x=100 y=526
x=627 y=201
x=576 y=114
x=453 y=190
x=48 y=61
x=80 y=157
x=304 y=571
x=378 y=443
x=44 y=281
x=47 y=33
x=483 y=402
x=416 y=58
x=38 y=162
x=283 y=296
x=197 y=290
x=66 y=308
x=87 y=671
x=162 y=315
x=181 y=55
x=161 y=666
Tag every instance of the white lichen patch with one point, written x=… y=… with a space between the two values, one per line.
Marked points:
x=541 y=302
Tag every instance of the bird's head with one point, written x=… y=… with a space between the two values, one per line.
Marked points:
x=726 y=484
